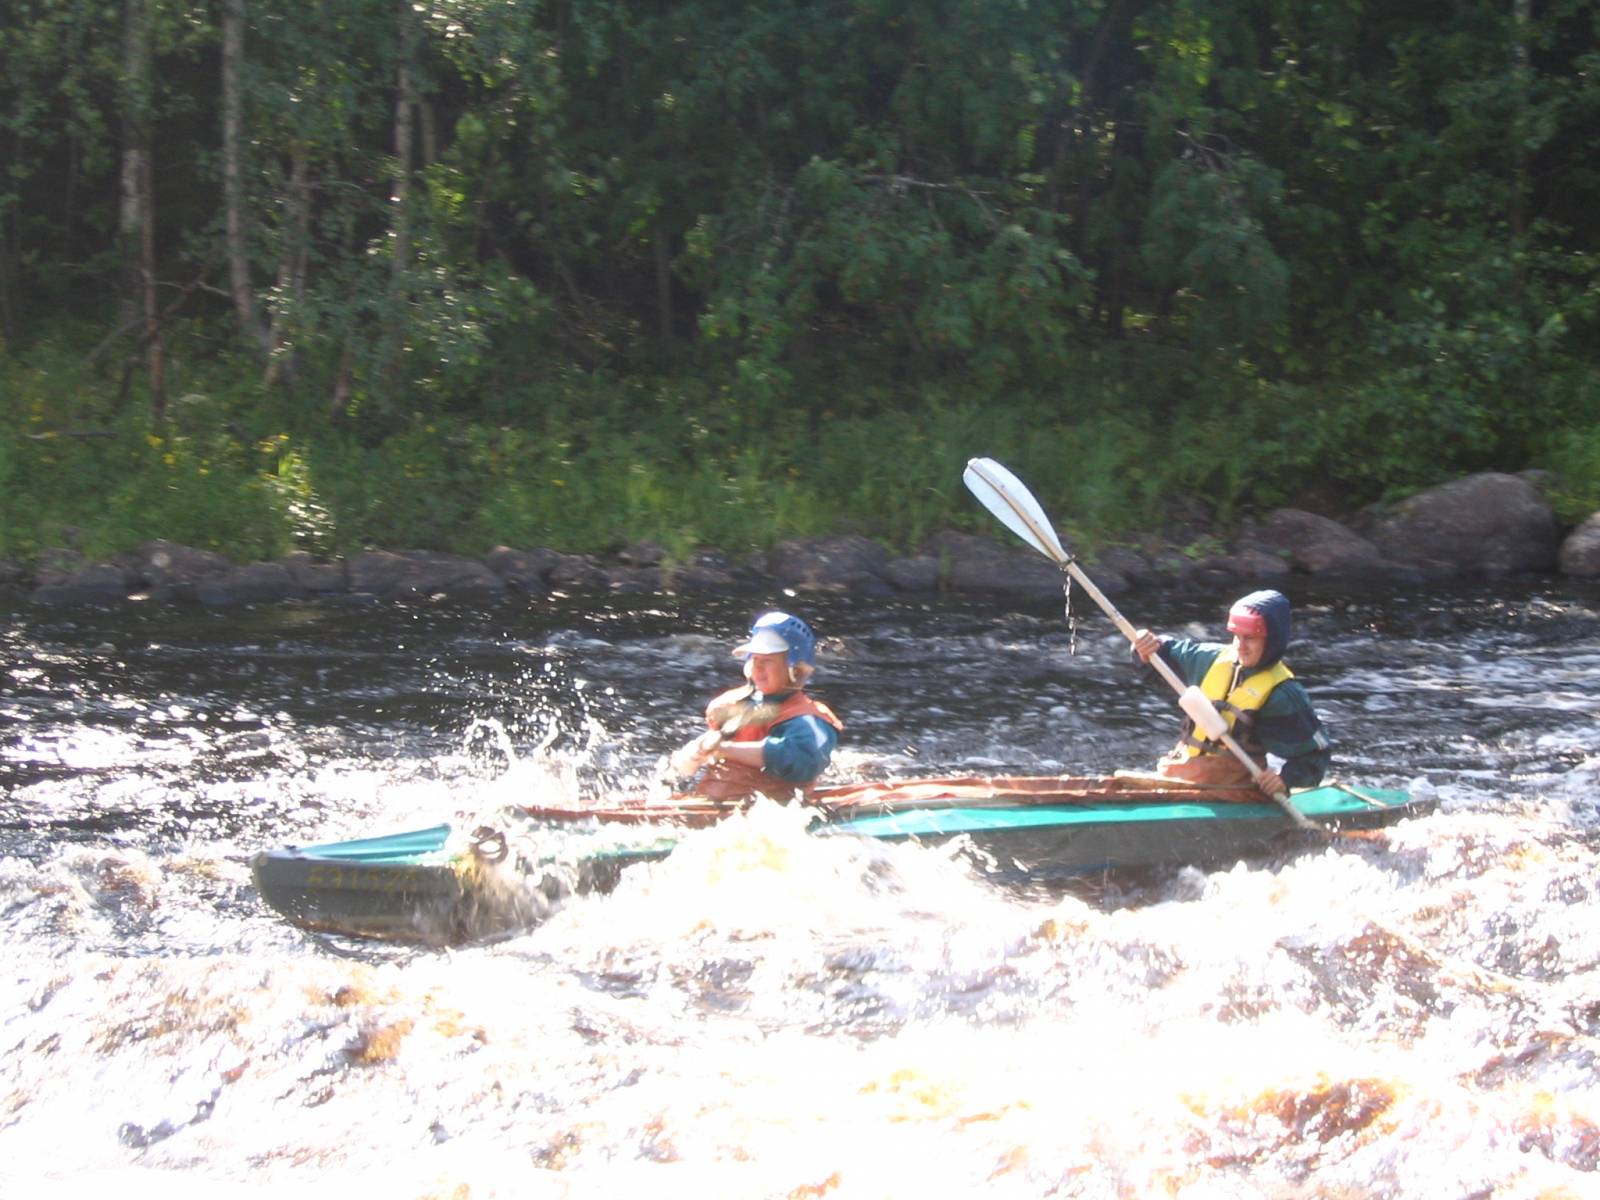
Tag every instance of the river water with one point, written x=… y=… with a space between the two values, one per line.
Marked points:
x=766 y=1014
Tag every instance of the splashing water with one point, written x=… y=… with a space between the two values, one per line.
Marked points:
x=765 y=1013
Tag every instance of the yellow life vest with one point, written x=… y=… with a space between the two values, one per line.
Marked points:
x=1246 y=696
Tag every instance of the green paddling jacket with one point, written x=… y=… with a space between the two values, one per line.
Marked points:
x=1285 y=726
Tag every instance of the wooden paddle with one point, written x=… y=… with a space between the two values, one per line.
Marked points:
x=1004 y=495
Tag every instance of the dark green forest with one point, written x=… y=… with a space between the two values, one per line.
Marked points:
x=451 y=273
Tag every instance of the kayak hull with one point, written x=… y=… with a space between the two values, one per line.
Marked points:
x=1083 y=839
x=443 y=885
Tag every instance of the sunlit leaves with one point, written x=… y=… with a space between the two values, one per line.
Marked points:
x=1181 y=202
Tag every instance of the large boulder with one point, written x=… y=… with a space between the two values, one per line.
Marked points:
x=710 y=571
x=255 y=583
x=849 y=563
x=1128 y=564
x=976 y=564
x=314 y=577
x=1316 y=544
x=915 y=573
x=1249 y=564
x=637 y=581
x=1487 y=524
x=422 y=573
x=100 y=583
x=578 y=572
x=1580 y=552
x=647 y=552
x=528 y=570
x=171 y=570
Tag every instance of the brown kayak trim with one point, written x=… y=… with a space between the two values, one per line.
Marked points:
x=892 y=795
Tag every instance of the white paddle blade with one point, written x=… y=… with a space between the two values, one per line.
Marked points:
x=1202 y=712
x=1003 y=494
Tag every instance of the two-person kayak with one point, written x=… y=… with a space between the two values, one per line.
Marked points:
x=450 y=882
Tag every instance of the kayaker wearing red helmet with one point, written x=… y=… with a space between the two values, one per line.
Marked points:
x=767 y=736
x=1267 y=709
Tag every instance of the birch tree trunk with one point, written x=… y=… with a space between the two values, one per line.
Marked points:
x=10 y=245
x=1522 y=74
x=235 y=221
x=281 y=358
x=663 y=257
x=136 y=211
x=405 y=110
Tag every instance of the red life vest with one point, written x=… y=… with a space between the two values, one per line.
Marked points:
x=726 y=780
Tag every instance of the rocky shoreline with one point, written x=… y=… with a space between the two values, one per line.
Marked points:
x=1484 y=526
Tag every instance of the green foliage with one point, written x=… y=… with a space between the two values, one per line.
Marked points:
x=1205 y=244
x=1571 y=452
x=685 y=269
x=594 y=463
x=1574 y=456
x=76 y=472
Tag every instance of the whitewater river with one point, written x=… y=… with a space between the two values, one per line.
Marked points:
x=767 y=1014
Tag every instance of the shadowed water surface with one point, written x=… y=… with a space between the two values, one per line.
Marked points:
x=766 y=1013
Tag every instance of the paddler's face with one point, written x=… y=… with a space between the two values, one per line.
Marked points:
x=1248 y=650
x=770 y=672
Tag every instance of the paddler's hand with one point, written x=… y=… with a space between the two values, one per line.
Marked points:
x=688 y=759
x=1145 y=644
x=1270 y=782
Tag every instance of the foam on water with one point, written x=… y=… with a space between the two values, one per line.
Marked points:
x=765 y=1013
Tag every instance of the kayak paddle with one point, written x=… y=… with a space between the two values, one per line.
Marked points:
x=1004 y=495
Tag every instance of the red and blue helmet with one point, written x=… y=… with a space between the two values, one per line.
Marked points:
x=780 y=633
x=1263 y=614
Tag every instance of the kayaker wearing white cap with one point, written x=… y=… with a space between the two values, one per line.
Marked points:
x=1267 y=709
x=767 y=736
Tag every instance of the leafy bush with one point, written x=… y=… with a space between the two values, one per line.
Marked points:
x=1573 y=455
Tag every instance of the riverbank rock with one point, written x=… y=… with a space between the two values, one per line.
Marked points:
x=254 y=583
x=1318 y=545
x=526 y=570
x=712 y=571
x=97 y=583
x=421 y=573
x=918 y=573
x=1314 y=543
x=1127 y=564
x=1487 y=525
x=314 y=577
x=850 y=563
x=1251 y=564
x=1580 y=552
x=171 y=571
x=578 y=572
x=976 y=564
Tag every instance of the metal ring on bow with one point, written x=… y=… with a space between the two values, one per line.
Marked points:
x=490 y=844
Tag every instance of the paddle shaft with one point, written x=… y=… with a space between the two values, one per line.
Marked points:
x=1044 y=540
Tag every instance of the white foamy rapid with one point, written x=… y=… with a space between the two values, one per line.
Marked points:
x=765 y=1013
